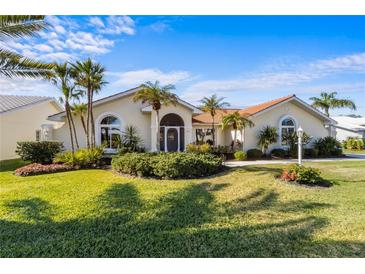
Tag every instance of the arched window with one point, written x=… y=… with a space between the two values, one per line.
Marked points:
x=110 y=129
x=287 y=127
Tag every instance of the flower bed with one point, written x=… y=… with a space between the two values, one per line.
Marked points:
x=304 y=175
x=36 y=169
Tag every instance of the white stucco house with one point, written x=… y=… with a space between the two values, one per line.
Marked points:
x=349 y=127
x=185 y=123
x=24 y=118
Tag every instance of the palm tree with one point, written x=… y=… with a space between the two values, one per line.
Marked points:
x=13 y=64
x=267 y=136
x=89 y=76
x=212 y=104
x=156 y=95
x=61 y=77
x=329 y=101
x=80 y=110
x=237 y=121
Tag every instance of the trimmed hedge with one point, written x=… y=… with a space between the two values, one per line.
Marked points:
x=168 y=165
x=279 y=152
x=254 y=153
x=38 y=152
x=240 y=155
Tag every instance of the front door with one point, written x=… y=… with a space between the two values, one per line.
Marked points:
x=172 y=137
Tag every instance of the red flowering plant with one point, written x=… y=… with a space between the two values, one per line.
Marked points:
x=35 y=169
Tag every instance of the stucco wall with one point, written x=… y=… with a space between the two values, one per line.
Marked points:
x=21 y=125
x=312 y=125
x=129 y=113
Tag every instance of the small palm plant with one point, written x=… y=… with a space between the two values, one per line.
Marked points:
x=80 y=110
x=13 y=64
x=267 y=136
x=329 y=101
x=130 y=139
x=238 y=122
x=156 y=95
x=212 y=104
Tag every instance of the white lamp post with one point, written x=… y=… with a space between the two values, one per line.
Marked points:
x=300 y=136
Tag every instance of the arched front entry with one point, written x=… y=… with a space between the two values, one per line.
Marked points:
x=172 y=133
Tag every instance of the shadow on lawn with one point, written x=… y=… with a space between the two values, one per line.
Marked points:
x=185 y=223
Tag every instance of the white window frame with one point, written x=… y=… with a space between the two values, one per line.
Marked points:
x=98 y=127
x=281 y=127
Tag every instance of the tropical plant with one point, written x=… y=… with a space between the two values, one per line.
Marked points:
x=267 y=136
x=13 y=64
x=328 y=146
x=89 y=76
x=156 y=95
x=238 y=122
x=130 y=139
x=80 y=110
x=328 y=101
x=61 y=77
x=212 y=104
x=292 y=140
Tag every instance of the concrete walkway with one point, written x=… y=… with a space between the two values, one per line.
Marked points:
x=349 y=157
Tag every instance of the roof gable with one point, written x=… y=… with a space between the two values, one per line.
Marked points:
x=16 y=102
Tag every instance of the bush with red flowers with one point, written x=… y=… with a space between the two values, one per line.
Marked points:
x=36 y=169
x=303 y=175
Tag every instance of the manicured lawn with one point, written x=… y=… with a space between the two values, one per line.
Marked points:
x=350 y=151
x=244 y=212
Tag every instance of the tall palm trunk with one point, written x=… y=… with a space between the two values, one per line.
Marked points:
x=327 y=112
x=213 y=129
x=88 y=120
x=82 y=118
x=74 y=130
x=158 y=130
x=92 y=121
x=235 y=137
x=68 y=114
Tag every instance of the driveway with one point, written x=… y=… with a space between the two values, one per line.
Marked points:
x=349 y=157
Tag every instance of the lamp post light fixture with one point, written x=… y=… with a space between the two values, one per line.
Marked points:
x=300 y=136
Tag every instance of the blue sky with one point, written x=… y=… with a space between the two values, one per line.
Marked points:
x=247 y=59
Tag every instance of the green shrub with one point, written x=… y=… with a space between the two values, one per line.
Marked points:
x=204 y=148
x=84 y=158
x=302 y=175
x=328 y=146
x=311 y=152
x=353 y=143
x=240 y=155
x=38 y=152
x=168 y=165
x=137 y=164
x=254 y=153
x=279 y=152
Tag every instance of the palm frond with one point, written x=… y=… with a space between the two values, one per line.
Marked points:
x=16 y=65
x=15 y=26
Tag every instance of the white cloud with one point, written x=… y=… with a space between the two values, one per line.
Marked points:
x=160 y=27
x=43 y=47
x=89 y=43
x=60 y=29
x=114 y=25
x=59 y=56
x=96 y=21
x=18 y=86
x=301 y=74
x=137 y=77
x=57 y=44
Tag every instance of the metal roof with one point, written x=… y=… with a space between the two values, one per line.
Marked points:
x=13 y=102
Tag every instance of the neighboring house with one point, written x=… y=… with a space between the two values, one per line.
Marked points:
x=349 y=127
x=24 y=118
x=184 y=123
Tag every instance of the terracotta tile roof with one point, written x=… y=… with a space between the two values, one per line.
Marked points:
x=205 y=118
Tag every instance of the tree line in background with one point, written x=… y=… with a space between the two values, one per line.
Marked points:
x=86 y=78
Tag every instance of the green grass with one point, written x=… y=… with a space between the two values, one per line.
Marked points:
x=351 y=151
x=10 y=165
x=244 y=212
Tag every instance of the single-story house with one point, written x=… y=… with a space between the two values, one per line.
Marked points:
x=349 y=127
x=24 y=118
x=185 y=123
